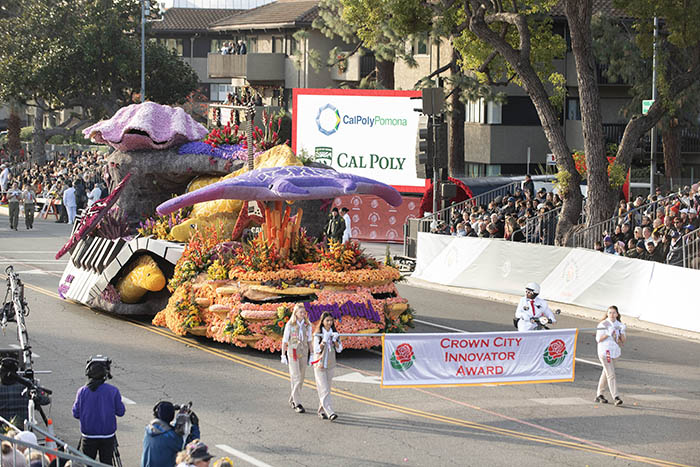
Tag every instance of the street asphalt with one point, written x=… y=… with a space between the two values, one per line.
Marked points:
x=241 y=395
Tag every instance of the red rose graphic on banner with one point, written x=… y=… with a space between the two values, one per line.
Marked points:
x=555 y=354
x=402 y=358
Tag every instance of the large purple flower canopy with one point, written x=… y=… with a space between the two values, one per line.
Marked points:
x=285 y=183
x=146 y=126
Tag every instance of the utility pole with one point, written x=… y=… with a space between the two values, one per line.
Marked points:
x=652 y=165
x=143 y=50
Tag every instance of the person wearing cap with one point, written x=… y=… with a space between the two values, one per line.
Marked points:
x=195 y=454
x=161 y=442
x=509 y=208
x=608 y=246
x=634 y=249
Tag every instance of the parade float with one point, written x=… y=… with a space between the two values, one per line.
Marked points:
x=230 y=257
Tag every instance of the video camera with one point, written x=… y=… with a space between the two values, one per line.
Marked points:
x=184 y=419
x=10 y=374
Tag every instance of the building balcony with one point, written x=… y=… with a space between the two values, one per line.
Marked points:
x=252 y=67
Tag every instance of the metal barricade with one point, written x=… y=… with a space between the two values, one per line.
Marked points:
x=691 y=249
x=483 y=198
x=15 y=454
x=587 y=237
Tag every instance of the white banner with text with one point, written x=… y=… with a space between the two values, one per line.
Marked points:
x=371 y=133
x=432 y=360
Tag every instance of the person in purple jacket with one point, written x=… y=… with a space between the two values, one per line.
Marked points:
x=97 y=405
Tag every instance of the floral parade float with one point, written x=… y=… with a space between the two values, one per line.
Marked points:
x=244 y=295
x=237 y=249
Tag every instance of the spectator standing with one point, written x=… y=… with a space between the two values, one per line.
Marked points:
x=610 y=337
x=161 y=442
x=335 y=227
x=70 y=203
x=326 y=345
x=242 y=49
x=296 y=345
x=529 y=186
x=13 y=198
x=675 y=250
x=4 y=178
x=97 y=405
x=29 y=200
x=348 y=224
x=94 y=195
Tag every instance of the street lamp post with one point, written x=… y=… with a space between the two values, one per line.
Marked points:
x=652 y=165
x=143 y=50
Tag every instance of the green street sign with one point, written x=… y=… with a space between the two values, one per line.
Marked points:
x=645 y=106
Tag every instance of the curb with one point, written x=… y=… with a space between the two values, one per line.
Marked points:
x=566 y=308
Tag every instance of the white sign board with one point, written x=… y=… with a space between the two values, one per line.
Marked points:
x=551 y=160
x=362 y=132
x=424 y=360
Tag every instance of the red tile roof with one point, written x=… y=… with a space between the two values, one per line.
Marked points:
x=284 y=14
x=191 y=19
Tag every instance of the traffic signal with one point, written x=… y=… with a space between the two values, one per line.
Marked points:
x=424 y=148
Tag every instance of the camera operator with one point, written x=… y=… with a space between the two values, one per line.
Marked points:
x=97 y=405
x=162 y=440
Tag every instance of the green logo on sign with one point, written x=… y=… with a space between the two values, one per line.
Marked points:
x=555 y=354
x=324 y=155
x=402 y=358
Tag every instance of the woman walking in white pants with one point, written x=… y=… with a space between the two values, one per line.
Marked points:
x=610 y=337
x=326 y=345
x=296 y=344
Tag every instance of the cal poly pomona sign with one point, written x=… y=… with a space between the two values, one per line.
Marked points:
x=429 y=360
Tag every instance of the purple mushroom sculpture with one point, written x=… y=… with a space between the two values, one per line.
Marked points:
x=285 y=183
x=146 y=126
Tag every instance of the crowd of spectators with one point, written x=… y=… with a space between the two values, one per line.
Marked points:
x=234 y=48
x=78 y=178
x=653 y=229
x=524 y=215
x=648 y=228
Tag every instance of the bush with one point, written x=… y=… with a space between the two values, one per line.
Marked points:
x=56 y=139
x=25 y=134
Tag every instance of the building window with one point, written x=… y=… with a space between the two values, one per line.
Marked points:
x=277 y=45
x=217 y=45
x=493 y=113
x=475 y=111
x=493 y=170
x=291 y=45
x=573 y=109
x=252 y=45
x=175 y=45
x=219 y=92
x=475 y=170
x=419 y=45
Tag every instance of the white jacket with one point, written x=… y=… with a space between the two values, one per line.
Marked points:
x=525 y=311
x=611 y=330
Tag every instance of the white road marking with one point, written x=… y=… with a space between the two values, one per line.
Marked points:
x=440 y=326
x=242 y=455
x=16 y=346
x=128 y=401
x=562 y=401
x=356 y=377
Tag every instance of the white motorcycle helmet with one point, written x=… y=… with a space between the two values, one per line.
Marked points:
x=534 y=287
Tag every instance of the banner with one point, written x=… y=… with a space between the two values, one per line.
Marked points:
x=364 y=132
x=433 y=360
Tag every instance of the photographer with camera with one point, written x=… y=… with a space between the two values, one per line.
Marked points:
x=167 y=434
x=97 y=405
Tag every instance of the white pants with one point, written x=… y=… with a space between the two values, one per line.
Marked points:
x=297 y=370
x=607 y=376
x=72 y=212
x=324 y=377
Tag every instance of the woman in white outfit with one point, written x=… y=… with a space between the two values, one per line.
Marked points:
x=296 y=344
x=326 y=345
x=610 y=337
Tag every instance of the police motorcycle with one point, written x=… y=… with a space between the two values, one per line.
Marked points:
x=532 y=290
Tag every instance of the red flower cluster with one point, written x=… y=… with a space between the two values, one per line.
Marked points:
x=225 y=136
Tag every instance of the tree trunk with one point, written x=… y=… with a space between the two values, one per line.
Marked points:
x=671 y=138
x=601 y=197
x=549 y=118
x=38 y=138
x=14 y=127
x=385 y=73
x=456 y=127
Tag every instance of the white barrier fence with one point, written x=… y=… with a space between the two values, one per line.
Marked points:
x=653 y=292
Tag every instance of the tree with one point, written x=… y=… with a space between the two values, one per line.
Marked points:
x=57 y=55
x=617 y=48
